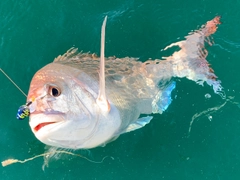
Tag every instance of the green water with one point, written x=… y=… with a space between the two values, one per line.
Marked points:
x=33 y=33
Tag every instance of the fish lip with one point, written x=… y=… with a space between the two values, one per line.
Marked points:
x=47 y=112
x=41 y=125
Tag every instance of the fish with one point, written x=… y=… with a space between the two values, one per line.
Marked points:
x=82 y=101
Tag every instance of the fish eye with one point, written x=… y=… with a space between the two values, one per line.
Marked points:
x=54 y=91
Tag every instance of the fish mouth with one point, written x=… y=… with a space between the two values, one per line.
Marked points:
x=49 y=117
x=41 y=125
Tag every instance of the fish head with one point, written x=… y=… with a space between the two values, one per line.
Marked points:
x=63 y=110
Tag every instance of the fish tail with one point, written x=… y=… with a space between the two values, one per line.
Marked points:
x=190 y=61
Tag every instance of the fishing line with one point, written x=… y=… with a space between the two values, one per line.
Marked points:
x=13 y=82
x=12 y=161
x=210 y=111
x=205 y=112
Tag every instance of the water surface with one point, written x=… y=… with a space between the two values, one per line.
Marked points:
x=34 y=33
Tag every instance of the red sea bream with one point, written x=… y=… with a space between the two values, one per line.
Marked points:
x=81 y=101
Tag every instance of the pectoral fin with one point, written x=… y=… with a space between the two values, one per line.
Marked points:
x=102 y=100
x=141 y=122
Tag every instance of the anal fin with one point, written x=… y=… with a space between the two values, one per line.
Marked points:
x=163 y=99
x=141 y=122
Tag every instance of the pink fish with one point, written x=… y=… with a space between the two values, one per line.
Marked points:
x=81 y=101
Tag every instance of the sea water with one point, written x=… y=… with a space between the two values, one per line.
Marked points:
x=33 y=33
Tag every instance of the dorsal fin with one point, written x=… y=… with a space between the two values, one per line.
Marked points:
x=102 y=100
x=74 y=55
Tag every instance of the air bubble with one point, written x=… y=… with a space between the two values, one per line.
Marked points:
x=210 y=118
x=207 y=96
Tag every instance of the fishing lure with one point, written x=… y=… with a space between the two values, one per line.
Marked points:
x=24 y=111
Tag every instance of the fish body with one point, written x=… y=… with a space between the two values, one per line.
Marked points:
x=81 y=101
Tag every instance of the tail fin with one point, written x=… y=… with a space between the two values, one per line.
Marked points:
x=190 y=61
